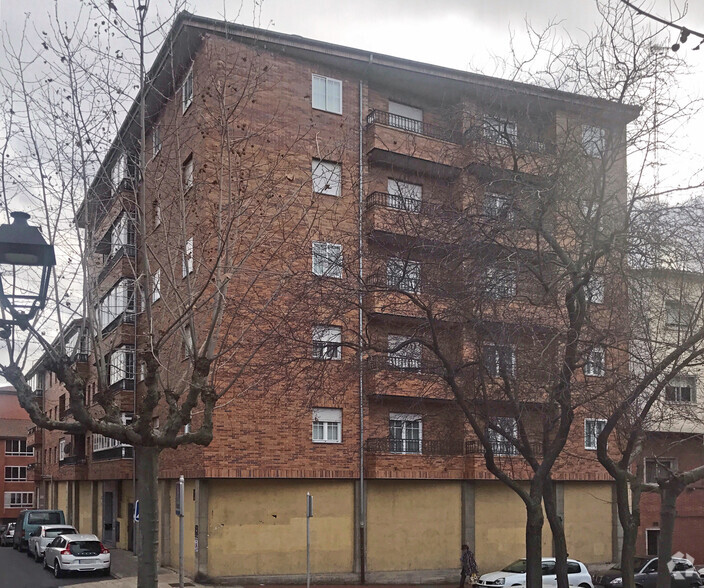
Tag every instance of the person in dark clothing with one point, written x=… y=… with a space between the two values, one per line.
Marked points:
x=469 y=566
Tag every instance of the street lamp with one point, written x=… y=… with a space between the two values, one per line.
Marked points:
x=23 y=247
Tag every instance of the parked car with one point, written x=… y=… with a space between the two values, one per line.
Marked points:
x=29 y=521
x=515 y=574
x=646 y=574
x=44 y=535
x=76 y=553
x=7 y=535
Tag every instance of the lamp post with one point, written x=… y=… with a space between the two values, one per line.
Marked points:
x=22 y=247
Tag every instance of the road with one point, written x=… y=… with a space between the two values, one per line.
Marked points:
x=19 y=571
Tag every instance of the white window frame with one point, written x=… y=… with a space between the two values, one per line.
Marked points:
x=19 y=499
x=156 y=285
x=187 y=173
x=14 y=473
x=156 y=140
x=327 y=425
x=595 y=368
x=188 y=257
x=408 y=358
x=497 y=351
x=15 y=446
x=118 y=171
x=327 y=259
x=672 y=466
x=500 y=130
x=500 y=282
x=122 y=233
x=327 y=342
x=678 y=315
x=405 y=117
x=593 y=140
x=121 y=364
x=327 y=177
x=500 y=444
x=403 y=275
x=187 y=91
x=674 y=388
x=405 y=441
x=118 y=302
x=594 y=290
x=404 y=195
x=498 y=205
x=592 y=429
x=323 y=94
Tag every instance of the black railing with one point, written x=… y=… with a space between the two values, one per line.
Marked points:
x=521 y=142
x=117 y=452
x=410 y=125
x=414 y=446
x=73 y=460
x=411 y=205
x=124 y=251
x=398 y=363
x=126 y=317
x=500 y=448
x=124 y=384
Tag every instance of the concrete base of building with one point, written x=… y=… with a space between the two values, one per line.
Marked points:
x=391 y=577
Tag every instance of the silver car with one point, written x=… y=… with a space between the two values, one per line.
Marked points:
x=76 y=553
x=44 y=535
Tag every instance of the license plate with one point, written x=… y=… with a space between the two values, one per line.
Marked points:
x=87 y=561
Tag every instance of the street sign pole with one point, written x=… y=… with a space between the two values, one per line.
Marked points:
x=179 y=513
x=137 y=537
x=309 y=514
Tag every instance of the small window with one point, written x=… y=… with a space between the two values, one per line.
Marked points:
x=327 y=259
x=19 y=499
x=155 y=423
x=408 y=357
x=595 y=364
x=652 y=537
x=498 y=206
x=156 y=140
x=592 y=430
x=658 y=468
x=681 y=389
x=156 y=285
x=187 y=90
x=594 y=290
x=500 y=282
x=404 y=196
x=18 y=447
x=327 y=94
x=593 y=140
x=188 y=343
x=405 y=433
x=187 y=173
x=499 y=439
x=403 y=275
x=678 y=314
x=500 y=360
x=327 y=425
x=15 y=473
x=327 y=177
x=188 y=257
x=408 y=118
x=501 y=131
x=327 y=342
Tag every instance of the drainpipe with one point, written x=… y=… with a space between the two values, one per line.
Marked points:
x=362 y=501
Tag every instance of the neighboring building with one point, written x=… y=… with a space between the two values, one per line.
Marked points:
x=16 y=458
x=408 y=132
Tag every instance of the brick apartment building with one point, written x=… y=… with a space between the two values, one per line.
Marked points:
x=16 y=458
x=366 y=141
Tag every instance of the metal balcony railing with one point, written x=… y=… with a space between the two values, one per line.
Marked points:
x=431 y=447
x=499 y=448
x=73 y=460
x=522 y=143
x=399 y=363
x=409 y=125
x=411 y=205
x=124 y=251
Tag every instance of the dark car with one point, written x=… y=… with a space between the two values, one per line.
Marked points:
x=646 y=574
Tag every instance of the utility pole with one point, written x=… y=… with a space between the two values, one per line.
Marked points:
x=309 y=514
x=179 y=514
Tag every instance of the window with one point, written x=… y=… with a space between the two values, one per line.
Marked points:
x=499 y=440
x=403 y=274
x=681 y=389
x=327 y=94
x=187 y=90
x=500 y=359
x=155 y=423
x=188 y=257
x=652 y=537
x=501 y=131
x=405 y=433
x=404 y=196
x=592 y=430
x=327 y=177
x=156 y=140
x=17 y=447
x=593 y=140
x=156 y=285
x=405 y=117
x=594 y=364
x=677 y=314
x=498 y=206
x=658 y=468
x=407 y=357
x=327 y=342
x=15 y=473
x=187 y=173
x=101 y=443
x=117 y=303
x=118 y=171
x=19 y=499
x=500 y=282
x=327 y=425
x=122 y=234
x=327 y=259
x=121 y=365
x=594 y=290
x=157 y=214
x=188 y=343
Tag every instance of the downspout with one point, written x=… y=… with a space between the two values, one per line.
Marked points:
x=362 y=499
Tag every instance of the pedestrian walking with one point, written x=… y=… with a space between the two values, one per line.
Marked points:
x=469 y=567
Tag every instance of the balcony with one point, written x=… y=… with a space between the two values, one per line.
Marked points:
x=405 y=377
x=392 y=139
x=73 y=460
x=126 y=317
x=118 y=452
x=124 y=254
x=522 y=142
x=34 y=472
x=34 y=437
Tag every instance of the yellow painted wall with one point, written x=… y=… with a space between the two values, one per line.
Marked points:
x=413 y=525
x=588 y=521
x=123 y=512
x=259 y=526
x=189 y=554
x=500 y=527
x=62 y=496
x=85 y=500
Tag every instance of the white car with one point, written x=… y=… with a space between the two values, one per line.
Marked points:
x=44 y=535
x=76 y=553
x=515 y=574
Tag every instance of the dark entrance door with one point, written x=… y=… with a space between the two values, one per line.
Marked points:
x=108 y=519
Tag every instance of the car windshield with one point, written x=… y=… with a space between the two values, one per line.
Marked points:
x=84 y=547
x=638 y=563
x=44 y=518
x=60 y=531
x=517 y=567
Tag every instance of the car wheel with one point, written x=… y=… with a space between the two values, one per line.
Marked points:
x=57 y=569
x=44 y=563
x=37 y=557
x=29 y=552
x=106 y=572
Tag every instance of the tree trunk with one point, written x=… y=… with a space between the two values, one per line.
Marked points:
x=629 y=517
x=147 y=481
x=558 y=534
x=668 y=513
x=534 y=544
